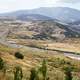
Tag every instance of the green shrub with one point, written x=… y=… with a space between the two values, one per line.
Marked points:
x=18 y=75
x=33 y=74
x=68 y=73
x=39 y=73
x=43 y=69
x=19 y=55
x=2 y=67
x=1 y=64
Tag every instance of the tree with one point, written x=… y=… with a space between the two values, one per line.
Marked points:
x=19 y=55
x=18 y=75
x=1 y=64
x=43 y=69
x=39 y=73
x=68 y=73
x=33 y=74
x=2 y=69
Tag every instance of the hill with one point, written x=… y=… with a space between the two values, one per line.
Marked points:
x=64 y=14
x=36 y=30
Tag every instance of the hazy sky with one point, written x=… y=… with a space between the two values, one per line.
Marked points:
x=12 y=5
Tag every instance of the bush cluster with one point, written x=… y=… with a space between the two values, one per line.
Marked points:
x=19 y=55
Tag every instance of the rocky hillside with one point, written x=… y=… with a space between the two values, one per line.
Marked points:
x=35 y=30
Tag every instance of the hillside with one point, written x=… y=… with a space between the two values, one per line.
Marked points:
x=33 y=57
x=63 y=14
x=35 y=30
x=36 y=41
x=75 y=26
x=31 y=17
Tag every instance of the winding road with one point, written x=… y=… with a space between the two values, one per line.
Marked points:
x=72 y=56
x=67 y=54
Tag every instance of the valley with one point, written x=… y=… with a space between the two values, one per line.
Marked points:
x=33 y=56
x=35 y=38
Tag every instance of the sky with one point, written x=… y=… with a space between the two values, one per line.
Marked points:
x=13 y=5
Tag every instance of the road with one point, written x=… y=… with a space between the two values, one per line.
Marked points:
x=5 y=42
x=72 y=56
x=67 y=54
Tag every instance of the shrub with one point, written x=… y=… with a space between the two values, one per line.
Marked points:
x=19 y=55
x=1 y=64
x=43 y=69
x=39 y=73
x=33 y=74
x=68 y=73
x=2 y=70
x=18 y=75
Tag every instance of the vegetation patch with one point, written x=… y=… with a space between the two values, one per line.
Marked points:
x=19 y=55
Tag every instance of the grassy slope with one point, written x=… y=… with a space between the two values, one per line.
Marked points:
x=66 y=46
x=33 y=57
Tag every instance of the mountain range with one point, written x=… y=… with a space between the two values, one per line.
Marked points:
x=49 y=21
x=63 y=14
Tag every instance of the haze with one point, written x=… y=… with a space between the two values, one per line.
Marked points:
x=13 y=5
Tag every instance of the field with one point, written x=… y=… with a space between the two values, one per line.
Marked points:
x=70 y=45
x=34 y=51
x=36 y=47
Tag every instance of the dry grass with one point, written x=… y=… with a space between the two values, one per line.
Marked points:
x=29 y=33
x=72 y=45
x=64 y=47
x=6 y=49
x=33 y=57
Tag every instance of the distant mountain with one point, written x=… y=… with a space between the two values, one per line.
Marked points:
x=24 y=17
x=63 y=14
x=75 y=23
x=29 y=17
x=75 y=26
